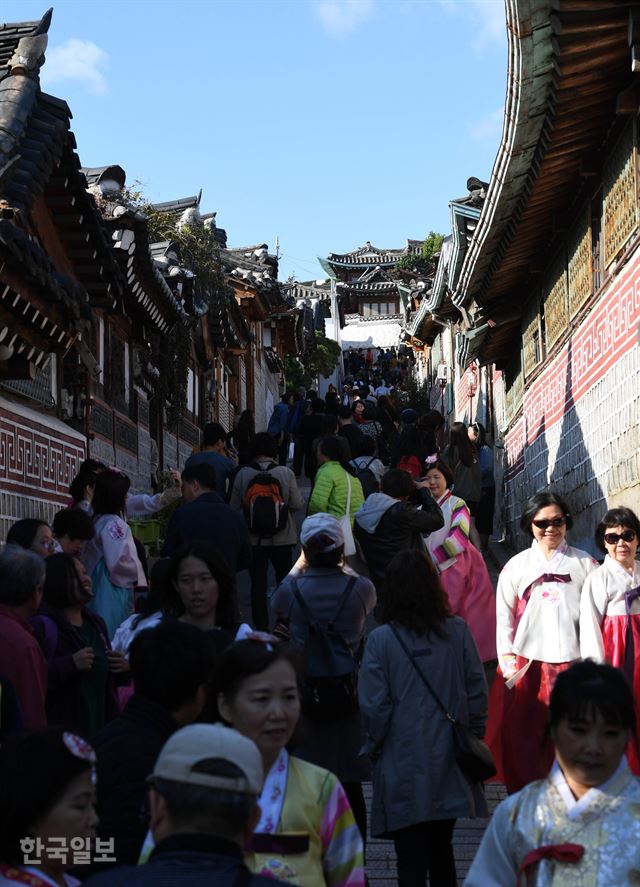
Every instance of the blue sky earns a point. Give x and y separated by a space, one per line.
326 123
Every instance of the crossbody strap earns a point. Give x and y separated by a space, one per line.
348 495
422 675
305 607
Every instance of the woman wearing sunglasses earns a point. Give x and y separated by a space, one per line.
610 606
537 613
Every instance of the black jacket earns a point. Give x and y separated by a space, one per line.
127 750
187 861
208 519
386 526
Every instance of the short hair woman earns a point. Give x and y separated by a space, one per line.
610 605
537 613
578 824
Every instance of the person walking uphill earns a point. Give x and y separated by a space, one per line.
204 517
394 520
419 789
276 548
334 487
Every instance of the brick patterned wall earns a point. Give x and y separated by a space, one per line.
580 429
39 456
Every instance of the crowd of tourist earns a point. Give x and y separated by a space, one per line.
151 733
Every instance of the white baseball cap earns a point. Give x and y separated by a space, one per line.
190 756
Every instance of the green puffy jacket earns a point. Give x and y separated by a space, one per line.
330 491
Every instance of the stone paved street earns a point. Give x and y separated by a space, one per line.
381 861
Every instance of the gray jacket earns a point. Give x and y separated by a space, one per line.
290 493
321 588
415 776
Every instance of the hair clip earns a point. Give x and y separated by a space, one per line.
80 748
431 460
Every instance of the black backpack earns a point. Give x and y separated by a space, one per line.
263 503
330 686
366 477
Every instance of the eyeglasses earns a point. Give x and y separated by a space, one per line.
554 522
614 538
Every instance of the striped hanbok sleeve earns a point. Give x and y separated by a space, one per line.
458 537
343 855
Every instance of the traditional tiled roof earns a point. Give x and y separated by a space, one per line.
177 207
570 62
35 329
97 176
367 255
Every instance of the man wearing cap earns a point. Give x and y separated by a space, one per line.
203 797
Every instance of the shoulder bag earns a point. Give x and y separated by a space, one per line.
472 755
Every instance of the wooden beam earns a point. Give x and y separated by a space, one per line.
628 101
25 330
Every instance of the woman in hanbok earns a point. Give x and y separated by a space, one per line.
463 572
610 606
307 834
580 825
111 557
47 808
537 613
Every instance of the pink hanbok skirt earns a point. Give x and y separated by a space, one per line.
472 597
614 635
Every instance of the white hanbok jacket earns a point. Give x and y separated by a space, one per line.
605 822
548 628
603 595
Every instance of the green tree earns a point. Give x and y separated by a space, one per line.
321 361
425 262
432 244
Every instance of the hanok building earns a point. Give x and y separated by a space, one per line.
370 299
274 324
551 280
433 327
109 343
57 271
130 400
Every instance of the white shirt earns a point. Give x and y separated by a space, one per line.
548 628
603 595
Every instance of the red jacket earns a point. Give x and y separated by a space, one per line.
22 662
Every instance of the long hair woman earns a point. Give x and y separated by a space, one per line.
111 557
418 788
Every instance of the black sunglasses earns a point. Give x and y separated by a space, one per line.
555 522
614 538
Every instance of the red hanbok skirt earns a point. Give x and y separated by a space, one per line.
614 635
517 731
472 597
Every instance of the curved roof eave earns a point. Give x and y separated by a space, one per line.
530 85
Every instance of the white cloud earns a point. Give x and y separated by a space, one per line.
488 127
77 60
488 17
341 17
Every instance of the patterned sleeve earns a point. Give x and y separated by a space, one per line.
119 550
458 538
342 851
